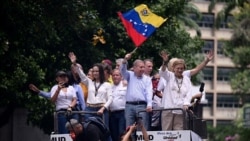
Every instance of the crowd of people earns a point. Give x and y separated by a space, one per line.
123 97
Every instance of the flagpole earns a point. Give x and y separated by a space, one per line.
133 51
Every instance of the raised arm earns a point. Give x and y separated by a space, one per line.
209 57
164 70
128 134
44 94
84 79
123 68
164 57
78 68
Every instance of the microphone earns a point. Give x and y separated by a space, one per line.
202 87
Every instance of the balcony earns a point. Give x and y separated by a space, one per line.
223 61
223 87
222 113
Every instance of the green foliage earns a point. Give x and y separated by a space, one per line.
36 37
238 49
230 5
240 82
240 119
222 131
241 30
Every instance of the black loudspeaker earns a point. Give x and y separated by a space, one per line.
200 128
197 125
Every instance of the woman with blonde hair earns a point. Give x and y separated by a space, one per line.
177 94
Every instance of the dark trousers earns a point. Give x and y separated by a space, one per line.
117 125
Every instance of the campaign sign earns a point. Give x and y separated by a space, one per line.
60 137
178 135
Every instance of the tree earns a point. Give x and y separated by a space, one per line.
36 36
238 49
35 39
185 19
226 11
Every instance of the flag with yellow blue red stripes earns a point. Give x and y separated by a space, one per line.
140 23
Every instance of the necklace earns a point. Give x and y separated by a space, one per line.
179 84
64 91
66 95
96 88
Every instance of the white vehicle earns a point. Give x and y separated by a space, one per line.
195 131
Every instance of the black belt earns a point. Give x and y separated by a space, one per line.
117 111
136 102
61 110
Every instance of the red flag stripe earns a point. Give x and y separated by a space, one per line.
137 38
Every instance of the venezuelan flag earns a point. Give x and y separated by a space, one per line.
140 23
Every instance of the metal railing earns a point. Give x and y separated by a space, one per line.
72 112
190 121
169 109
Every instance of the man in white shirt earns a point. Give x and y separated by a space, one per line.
117 117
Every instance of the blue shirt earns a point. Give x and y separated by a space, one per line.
139 88
44 94
79 95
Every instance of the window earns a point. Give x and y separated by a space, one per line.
224 100
246 116
220 48
246 113
209 97
223 74
227 101
224 23
208 73
224 122
208 45
207 20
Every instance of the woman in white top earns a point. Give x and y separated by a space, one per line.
177 94
64 96
99 91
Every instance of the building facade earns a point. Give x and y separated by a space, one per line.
223 105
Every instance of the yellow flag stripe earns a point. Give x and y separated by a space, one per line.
147 16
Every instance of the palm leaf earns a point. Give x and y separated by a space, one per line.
211 5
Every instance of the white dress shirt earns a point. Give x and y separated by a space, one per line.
175 96
119 97
102 96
